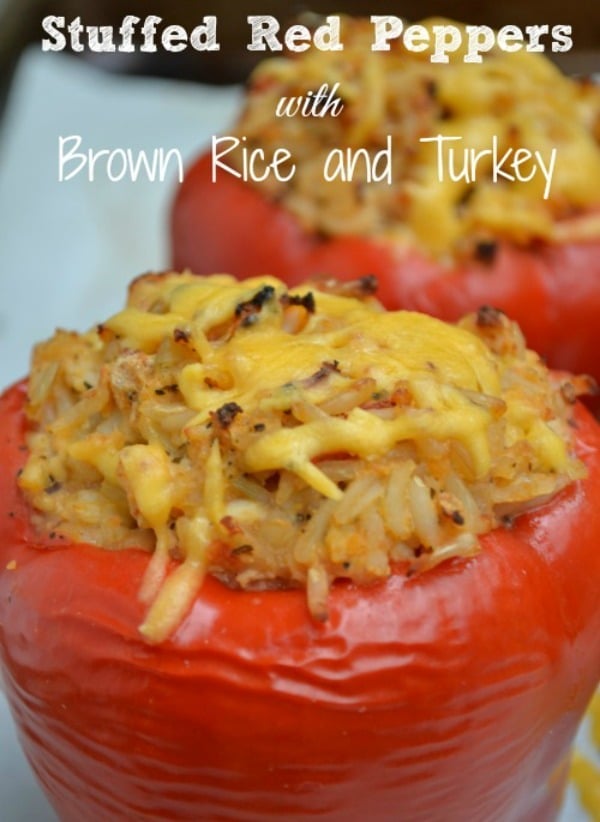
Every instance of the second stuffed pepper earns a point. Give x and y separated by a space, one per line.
455 184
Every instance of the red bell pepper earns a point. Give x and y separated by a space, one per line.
453 695
552 291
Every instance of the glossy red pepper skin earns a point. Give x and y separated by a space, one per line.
451 696
553 292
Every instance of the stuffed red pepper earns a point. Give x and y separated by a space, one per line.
271 553
456 184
